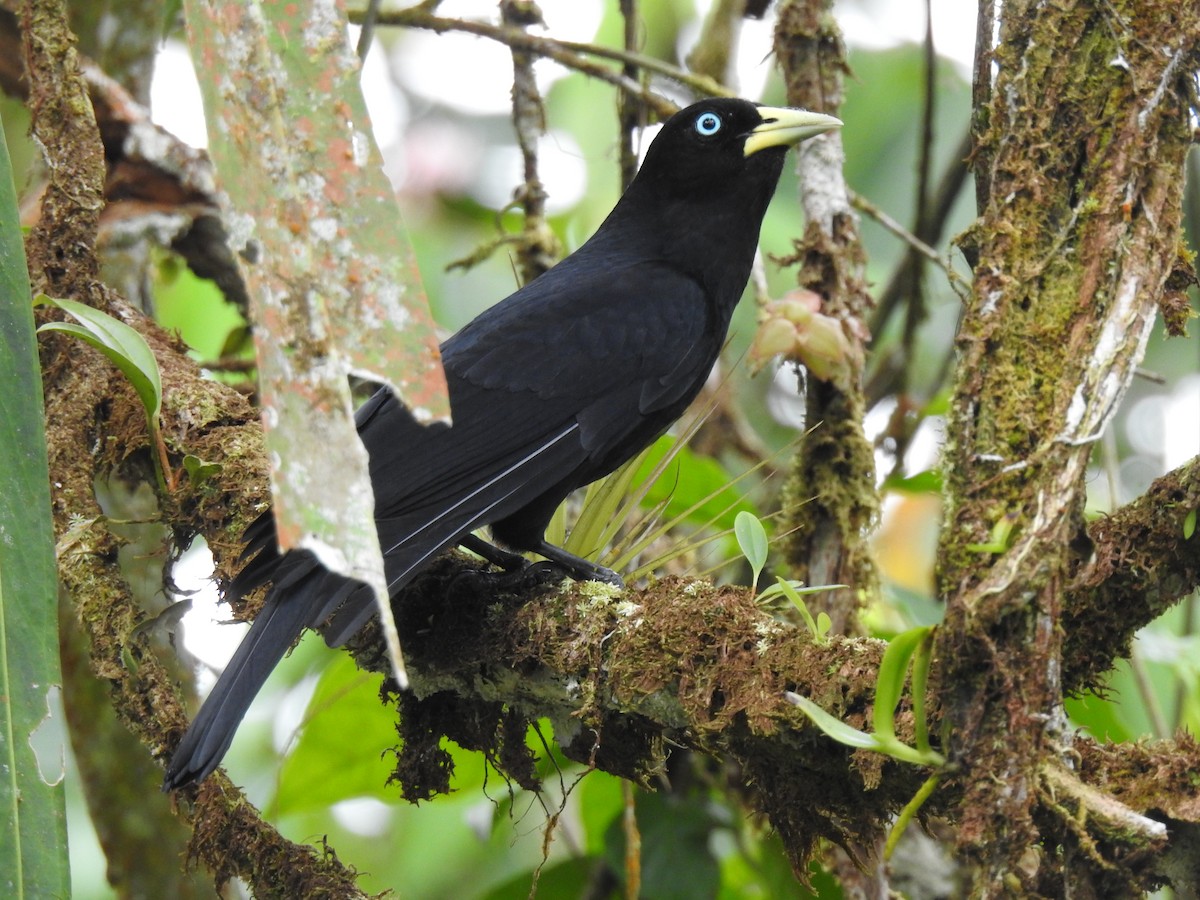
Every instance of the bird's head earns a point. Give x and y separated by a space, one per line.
726 141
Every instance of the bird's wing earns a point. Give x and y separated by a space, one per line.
607 345
435 483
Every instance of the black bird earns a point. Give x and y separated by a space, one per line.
550 389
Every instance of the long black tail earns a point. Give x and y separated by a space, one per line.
284 616
304 594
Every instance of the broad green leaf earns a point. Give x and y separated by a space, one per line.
199 471
695 486
849 736
834 727
893 670
319 771
752 538
601 802
1189 525
123 346
33 834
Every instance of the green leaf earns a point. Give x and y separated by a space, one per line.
893 670
199 471
694 486
1189 525
824 623
677 859
123 346
752 539
849 736
793 593
922 660
599 516
999 539
793 590
834 727
33 846
318 772
928 482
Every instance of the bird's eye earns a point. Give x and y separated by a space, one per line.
708 124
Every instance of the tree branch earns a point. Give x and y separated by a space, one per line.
831 489
1141 564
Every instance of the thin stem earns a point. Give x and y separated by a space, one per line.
570 54
369 19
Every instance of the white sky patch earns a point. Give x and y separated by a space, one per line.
560 165
385 102
175 101
880 24
205 635
364 816
1181 422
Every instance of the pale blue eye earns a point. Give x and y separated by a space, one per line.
708 124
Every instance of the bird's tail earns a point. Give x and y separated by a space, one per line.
284 615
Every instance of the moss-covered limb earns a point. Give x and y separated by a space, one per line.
1137 805
1111 850
61 246
1141 564
622 676
142 839
625 675
88 404
829 500
1074 246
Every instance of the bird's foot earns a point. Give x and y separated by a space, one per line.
579 568
593 572
529 577
518 567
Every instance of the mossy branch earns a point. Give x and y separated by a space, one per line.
1142 562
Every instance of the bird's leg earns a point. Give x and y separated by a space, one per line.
503 559
519 573
580 568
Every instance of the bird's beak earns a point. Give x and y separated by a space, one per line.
783 127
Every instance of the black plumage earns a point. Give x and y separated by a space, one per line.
552 388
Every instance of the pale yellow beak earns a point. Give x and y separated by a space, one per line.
783 127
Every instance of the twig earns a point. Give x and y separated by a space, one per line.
981 96
916 311
570 54
863 205
538 248
944 198
628 113
369 19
